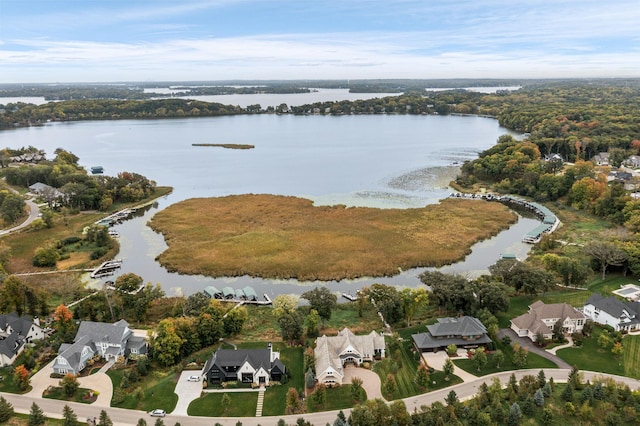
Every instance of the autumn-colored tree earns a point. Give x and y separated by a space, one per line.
69 384
21 377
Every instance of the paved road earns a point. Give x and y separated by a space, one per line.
34 211
121 417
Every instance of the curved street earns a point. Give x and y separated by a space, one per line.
122 417
34 212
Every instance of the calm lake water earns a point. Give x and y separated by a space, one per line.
365 160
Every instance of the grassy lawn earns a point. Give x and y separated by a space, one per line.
338 398
533 361
631 355
81 395
154 391
591 357
243 404
275 396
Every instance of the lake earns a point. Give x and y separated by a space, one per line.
362 160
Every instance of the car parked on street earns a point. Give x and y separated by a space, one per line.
157 413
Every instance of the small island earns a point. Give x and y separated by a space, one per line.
283 237
226 145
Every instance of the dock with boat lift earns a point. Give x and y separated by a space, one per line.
106 268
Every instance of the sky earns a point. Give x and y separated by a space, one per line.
197 40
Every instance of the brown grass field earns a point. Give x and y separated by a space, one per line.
288 237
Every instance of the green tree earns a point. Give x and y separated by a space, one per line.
448 368
606 253
12 207
36 416
479 359
235 320
128 283
390 385
311 323
358 393
6 410
422 377
69 418
515 415
498 358
69 384
292 402
104 420
413 299
167 343
322 300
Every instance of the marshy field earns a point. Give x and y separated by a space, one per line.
272 236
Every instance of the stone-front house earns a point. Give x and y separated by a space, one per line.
622 316
15 332
108 341
464 332
542 317
256 366
332 353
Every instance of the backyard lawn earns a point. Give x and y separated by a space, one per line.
631 355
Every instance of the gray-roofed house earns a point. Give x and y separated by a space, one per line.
464 332
333 352
542 317
108 341
15 332
622 316
256 366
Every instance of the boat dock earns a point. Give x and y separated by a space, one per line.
246 295
106 269
116 217
350 297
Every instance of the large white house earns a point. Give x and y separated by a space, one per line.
333 352
109 341
622 316
256 366
15 332
542 317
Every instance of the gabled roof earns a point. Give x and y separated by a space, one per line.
235 358
104 332
328 349
11 345
73 352
325 357
611 305
462 326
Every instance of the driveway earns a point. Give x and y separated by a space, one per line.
525 342
370 381
187 391
99 382
34 211
437 359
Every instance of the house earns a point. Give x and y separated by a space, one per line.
50 194
601 159
464 332
332 353
542 317
633 161
15 332
256 366
622 316
104 340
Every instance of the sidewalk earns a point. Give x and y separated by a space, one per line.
566 345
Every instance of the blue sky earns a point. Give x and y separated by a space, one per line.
160 40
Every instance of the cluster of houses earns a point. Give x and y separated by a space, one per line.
16 332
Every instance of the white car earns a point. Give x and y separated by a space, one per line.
157 413
193 379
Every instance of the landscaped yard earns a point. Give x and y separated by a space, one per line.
153 391
631 355
275 396
338 398
81 395
243 404
533 361
593 358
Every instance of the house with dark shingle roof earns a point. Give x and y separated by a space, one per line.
464 332
108 341
542 317
256 366
622 316
15 332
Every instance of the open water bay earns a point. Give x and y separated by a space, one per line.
365 160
